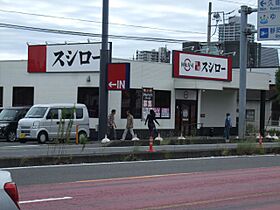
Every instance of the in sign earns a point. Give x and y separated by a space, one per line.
120 84
118 76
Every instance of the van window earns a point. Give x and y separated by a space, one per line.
79 113
53 113
36 112
67 113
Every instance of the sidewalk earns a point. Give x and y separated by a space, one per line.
27 155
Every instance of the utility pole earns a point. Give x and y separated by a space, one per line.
209 24
104 59
244 32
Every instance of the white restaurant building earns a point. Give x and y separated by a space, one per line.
182 104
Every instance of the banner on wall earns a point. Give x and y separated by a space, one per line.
147 101
157 111
147 97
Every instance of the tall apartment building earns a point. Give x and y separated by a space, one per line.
162 55
269 57
231 31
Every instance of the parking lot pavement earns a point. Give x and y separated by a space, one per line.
4 142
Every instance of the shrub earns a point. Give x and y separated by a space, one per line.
226 152
83 141
250 129
246 148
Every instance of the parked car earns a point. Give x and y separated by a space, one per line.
9 197
50 121
9 118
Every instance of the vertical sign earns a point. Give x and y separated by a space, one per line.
147 101
268 20
118 76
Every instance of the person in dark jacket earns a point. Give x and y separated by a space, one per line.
228 126
151 119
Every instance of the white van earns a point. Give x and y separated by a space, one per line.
51 121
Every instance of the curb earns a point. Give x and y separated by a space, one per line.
76 159
126 156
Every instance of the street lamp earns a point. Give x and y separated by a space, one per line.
217 17
191 48
230 53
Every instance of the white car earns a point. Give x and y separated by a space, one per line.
9 198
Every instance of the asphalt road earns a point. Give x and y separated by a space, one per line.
203 183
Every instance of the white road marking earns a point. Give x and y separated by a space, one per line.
19 146
45 200
137 162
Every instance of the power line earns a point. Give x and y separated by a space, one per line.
76 33
238 2
99 22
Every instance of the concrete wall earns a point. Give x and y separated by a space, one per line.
215 105
146 74
255 105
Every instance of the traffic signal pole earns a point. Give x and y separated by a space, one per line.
244 32
104 59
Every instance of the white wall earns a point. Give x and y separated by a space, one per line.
48 87
255 105
62 88
146 74
215 104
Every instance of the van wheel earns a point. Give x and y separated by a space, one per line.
42 137
11 136
82 136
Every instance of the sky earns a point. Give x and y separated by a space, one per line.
168 19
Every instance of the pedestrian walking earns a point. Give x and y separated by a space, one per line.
129 125
112 125
151 119
228 126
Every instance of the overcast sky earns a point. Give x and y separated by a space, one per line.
184 19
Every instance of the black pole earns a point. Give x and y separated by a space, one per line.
262 112
103 92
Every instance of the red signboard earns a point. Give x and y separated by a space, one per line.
118 76
37 58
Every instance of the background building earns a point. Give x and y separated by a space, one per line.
150 56
162 55
231 31
182 104
269 57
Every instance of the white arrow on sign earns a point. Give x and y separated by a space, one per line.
111 84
